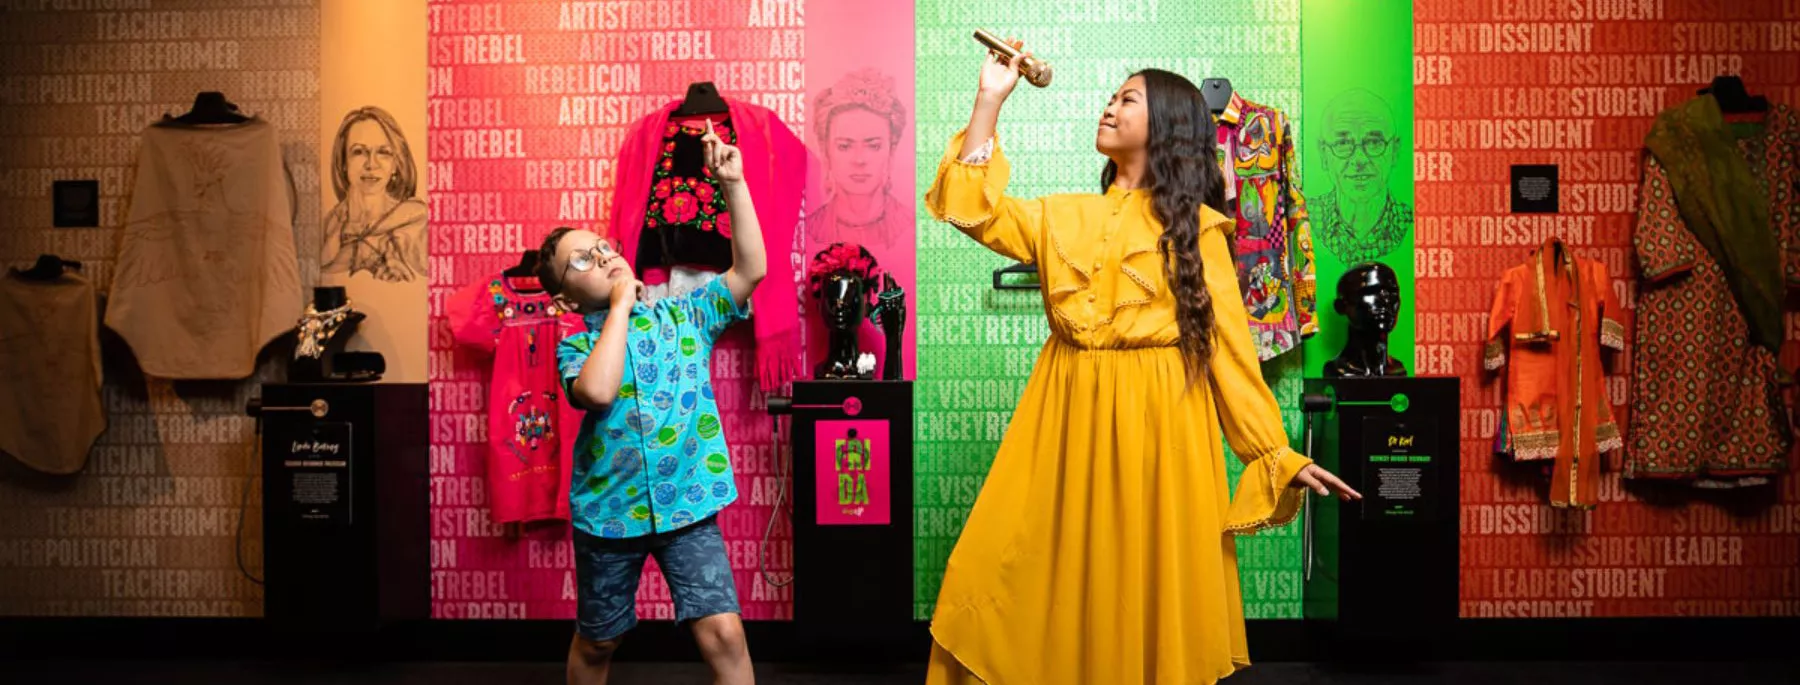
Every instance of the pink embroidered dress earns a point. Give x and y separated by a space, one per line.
529 420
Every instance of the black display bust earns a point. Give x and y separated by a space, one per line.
1368 295
844 304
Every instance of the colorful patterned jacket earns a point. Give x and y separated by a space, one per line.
1273 246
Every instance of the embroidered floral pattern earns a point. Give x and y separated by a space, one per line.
1612 334
1607 434
531 422
508 309
1493 355
1535 446
684 201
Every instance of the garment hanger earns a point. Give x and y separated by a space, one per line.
49 267
1733 98
702 98
1030 269
210 107
526 268
1217 94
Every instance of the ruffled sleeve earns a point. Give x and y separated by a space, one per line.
1247 410
970 195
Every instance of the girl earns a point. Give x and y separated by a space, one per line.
1100 548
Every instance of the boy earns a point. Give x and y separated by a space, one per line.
650 470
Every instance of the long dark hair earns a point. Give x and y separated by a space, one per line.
1182 174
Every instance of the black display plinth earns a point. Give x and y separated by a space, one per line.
853 502
346 506
1383 571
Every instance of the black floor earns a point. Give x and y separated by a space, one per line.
1567 673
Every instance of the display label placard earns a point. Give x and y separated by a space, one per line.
1399 476
851 461
1534 189
317 468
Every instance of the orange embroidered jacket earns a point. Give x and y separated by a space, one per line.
1551 316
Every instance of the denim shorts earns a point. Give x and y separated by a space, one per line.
693 561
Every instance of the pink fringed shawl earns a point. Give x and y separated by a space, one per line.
775 170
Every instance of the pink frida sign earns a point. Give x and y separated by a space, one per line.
852 460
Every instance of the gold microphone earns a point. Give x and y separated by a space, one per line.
1033 69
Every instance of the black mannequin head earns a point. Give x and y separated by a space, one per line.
843 301
843 279
328 297
1369 296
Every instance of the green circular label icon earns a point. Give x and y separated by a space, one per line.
708 427
1400 402
689 346
717 463
667 436
642 323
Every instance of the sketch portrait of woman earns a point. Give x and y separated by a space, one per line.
378 226
858 125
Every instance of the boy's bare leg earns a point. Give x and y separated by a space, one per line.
590 661
722 645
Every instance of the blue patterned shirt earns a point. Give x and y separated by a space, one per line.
656 460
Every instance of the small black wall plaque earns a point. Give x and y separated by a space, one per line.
1534 189
77 203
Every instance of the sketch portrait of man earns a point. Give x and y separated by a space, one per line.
1358 219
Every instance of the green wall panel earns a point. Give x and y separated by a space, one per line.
1357 59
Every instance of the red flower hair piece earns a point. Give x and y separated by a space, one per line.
844 258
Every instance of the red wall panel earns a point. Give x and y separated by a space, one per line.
1577 84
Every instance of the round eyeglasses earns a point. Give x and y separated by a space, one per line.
586 259
1374 145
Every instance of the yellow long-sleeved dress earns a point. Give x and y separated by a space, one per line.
1100 550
